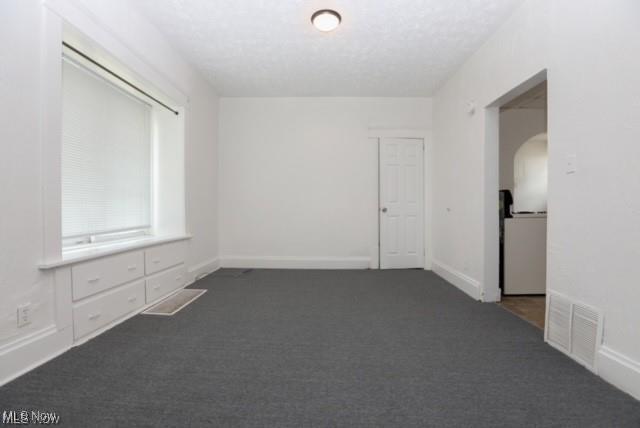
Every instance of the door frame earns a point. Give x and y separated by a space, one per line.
490 289
375 134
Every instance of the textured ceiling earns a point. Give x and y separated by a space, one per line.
382 48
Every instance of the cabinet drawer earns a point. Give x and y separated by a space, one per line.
101 310
163 283
95 276
164 256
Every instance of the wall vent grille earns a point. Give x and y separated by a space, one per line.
559 322
574 328
584 334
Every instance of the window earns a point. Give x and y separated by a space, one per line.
106 159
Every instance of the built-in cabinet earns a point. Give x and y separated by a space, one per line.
165 282
95 312
108 289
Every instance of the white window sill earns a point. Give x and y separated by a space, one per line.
80 255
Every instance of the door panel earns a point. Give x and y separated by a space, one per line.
401 203
393 183
412 237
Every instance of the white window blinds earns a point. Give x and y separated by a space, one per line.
106 156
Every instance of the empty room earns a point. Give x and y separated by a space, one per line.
411 213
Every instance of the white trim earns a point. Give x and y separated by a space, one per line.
619 370
92 27
110 249
32 351
426 135
375 236
490 217
63 298
382 260
419 133
490 182
58 17
284 262
203 269
459 279
428 200
27 339
51 134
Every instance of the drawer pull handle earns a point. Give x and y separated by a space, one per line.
156 261
178 278
132 267
132 299
95 316
156 287
94 279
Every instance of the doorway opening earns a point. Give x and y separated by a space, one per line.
516 234
523 160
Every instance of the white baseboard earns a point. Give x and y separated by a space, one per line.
457 278
619 370
203 269
278 262
26 355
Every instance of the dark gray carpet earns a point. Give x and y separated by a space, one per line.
323 348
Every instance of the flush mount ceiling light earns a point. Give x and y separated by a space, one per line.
326 20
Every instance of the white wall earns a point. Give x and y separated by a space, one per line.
516 52
531 175
201 170
26 85
516 127
594 113
298 178
21 216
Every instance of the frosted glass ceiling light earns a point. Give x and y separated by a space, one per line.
326 20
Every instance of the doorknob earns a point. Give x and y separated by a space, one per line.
384 209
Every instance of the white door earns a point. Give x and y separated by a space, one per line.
401 203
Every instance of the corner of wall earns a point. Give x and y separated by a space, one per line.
32 351
203 269
458 279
